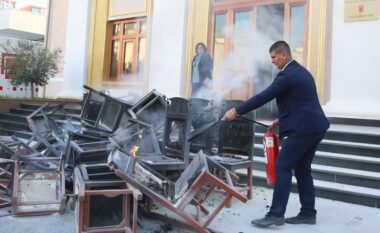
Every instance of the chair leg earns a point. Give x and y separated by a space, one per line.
249 183
229 203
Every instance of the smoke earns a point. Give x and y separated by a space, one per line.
248 59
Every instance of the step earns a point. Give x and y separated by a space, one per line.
13 118
336 174
336 170
351 133
355 148
65 117
338 159
20 111
25 112
340 143
351 144
12 125
17 133
343 129
354 133
354 121
347 161
30 106
331 190
337 146
355 129
73 109
336 121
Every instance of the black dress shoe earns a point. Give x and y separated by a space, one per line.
269 220
302 219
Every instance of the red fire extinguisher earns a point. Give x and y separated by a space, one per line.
270 142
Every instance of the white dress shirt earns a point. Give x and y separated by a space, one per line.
287 65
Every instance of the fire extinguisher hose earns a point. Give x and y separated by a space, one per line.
252 121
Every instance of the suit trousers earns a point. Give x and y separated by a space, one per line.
297 153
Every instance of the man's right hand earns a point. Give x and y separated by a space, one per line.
230 115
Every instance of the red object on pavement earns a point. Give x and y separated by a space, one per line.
270 141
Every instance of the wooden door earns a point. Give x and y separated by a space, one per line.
241 34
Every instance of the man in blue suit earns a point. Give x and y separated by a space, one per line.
303 125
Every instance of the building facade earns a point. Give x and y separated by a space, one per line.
137 45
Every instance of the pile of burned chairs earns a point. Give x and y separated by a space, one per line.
118 154
32 170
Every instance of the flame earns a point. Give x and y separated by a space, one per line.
134 150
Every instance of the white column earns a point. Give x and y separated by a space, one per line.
355 82
76 49
167 47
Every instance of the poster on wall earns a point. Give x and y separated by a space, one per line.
361 10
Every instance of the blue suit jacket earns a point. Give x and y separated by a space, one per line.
297 100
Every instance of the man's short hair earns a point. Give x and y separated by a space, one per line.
280 47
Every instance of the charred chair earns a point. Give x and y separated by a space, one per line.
83 148
174 153
6 176
236 145
87 152
104 201
101 113
49 136
6 172
175 196
151 109
177 125
134 132
38 181
39 186
13 148
10 146
202 114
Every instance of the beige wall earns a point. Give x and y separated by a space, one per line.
354 85
56 37
119 9
27 21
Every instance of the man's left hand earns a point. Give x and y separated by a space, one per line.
230 115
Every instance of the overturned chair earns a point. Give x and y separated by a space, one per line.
38 186
104 203
6 176
173 154
6 172
188 189
152 110
101 113
49 136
